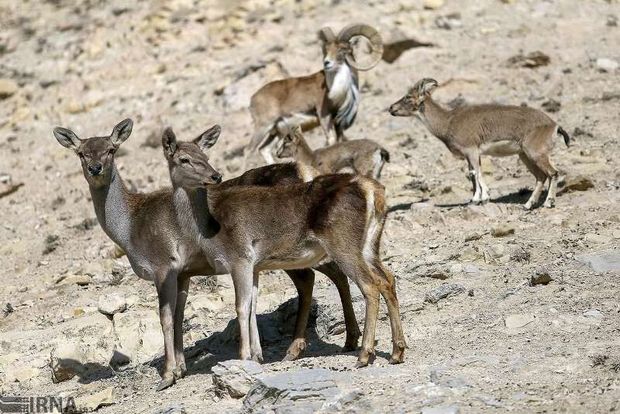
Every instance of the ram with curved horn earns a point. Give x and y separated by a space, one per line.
328 98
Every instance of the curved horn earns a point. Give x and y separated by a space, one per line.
373 36
327 35
425 86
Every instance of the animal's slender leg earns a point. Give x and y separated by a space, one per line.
266 149
255 347
166 284
304 282
243 280
484 190
472 161
257 140
183 288
356 269
333 272
544 164
328 129
540 180
388 291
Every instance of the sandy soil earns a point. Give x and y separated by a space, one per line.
499 345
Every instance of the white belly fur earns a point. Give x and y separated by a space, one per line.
500 148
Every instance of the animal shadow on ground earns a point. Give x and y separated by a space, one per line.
276 331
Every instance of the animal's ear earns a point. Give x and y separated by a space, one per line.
67 138
169 142
208 138
121 132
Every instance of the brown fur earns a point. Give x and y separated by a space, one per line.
498 130
292 226
362 156
306 101
145 225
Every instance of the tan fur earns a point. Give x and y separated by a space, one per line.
497 130
317 99
249 229
361 156
146 227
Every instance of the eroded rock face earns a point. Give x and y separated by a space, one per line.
304 391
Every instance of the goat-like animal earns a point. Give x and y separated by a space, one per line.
363 156
498 130
328 98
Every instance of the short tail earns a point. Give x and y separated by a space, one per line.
385 155
565 135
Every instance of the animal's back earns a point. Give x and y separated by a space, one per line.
285 93
491 122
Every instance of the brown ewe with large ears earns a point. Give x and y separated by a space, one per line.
248 229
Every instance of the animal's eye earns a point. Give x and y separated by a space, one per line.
184 160
80 154
111 151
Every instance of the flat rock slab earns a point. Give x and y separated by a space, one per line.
443 291
304 391
517 321
235 377
605 261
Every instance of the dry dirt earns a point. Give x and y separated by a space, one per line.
498 344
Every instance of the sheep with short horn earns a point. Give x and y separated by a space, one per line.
498 130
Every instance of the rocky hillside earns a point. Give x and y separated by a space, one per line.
504 310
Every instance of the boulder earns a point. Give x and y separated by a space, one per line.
112 304
235 377
138 335
443 291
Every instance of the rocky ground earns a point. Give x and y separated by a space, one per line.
504 310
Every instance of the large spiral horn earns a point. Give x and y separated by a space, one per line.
373 36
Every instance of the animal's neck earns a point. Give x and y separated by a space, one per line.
435 118
304 153
193 211
343 94
112 209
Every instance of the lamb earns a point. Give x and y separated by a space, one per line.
362 156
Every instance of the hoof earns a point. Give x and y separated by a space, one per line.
289 357
258 358
527 207
165 383
179 372
397 360
549 204
361 364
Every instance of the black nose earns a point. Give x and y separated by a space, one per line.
95 169
328 63
217 177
